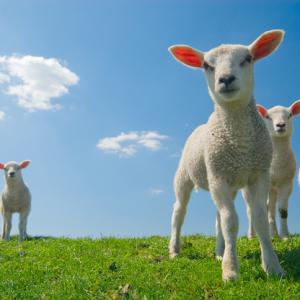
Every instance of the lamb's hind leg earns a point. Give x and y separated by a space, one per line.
251 231
283 200
220 245
272 212
183 187
23 225
257 194
6 225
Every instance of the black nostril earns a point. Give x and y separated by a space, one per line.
227 79
280 125
11 174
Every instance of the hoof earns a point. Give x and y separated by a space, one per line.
219 257
277 271
173 255
251 235
228 276
285 237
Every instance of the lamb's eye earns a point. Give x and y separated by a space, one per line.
268 117
246 60
290 115
208 67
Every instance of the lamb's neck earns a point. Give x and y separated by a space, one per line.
281 145
236 113
14 184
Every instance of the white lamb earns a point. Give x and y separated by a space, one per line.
15 198
279 121
232 151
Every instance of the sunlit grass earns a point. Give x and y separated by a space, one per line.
110 268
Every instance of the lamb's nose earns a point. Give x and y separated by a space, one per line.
11 174
280 125
227 79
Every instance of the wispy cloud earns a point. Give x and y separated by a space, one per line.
156 191
35 80
2 115
128 144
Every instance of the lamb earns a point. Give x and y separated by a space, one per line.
279 121
232 151
15 198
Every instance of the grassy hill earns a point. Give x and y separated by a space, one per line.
110 268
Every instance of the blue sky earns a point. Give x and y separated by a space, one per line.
111 73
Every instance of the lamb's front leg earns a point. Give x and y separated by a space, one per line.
23 225
224 199
272 200
183 187
6 226
220 244
257 194
283 200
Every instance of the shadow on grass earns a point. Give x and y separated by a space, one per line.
189 252
291 263
289 260
40 237
29 238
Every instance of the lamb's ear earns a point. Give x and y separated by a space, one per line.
295 108
266 43
24 164
1 166
262 110
187 55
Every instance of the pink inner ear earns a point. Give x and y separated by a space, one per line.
296 108
266 44
1 166
187 56
262 111
24 164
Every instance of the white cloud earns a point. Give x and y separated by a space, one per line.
2 115
156 191
4 78
35 80
128 144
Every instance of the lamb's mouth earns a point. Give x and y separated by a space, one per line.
228 91
280 131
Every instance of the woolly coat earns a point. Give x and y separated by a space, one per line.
234 145
15 197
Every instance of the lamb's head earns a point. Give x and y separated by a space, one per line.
279 119
12 169
229 68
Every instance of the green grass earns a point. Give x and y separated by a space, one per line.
110 268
